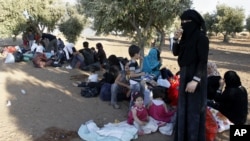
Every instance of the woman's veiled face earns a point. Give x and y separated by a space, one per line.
185 24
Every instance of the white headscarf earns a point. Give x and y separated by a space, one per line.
212 69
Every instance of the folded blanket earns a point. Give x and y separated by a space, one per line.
111 132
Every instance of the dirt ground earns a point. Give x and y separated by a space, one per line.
53 110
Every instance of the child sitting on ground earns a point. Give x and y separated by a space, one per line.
158 109
160 112
138 116
93 77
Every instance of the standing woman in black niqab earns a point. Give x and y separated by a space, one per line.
192 51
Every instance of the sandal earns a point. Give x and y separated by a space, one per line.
116 106
75 84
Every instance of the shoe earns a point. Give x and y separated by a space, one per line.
116 106
75 84
78 82
68 67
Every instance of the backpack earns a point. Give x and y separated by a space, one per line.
18 56
105 92
89 92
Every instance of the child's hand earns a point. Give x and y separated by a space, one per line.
128 93
142 73
143 123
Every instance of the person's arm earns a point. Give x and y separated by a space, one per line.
175 44
201 70
136 119
133 74
202 50
175 47
119 82
150 103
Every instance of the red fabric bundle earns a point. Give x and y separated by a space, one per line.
211 126
173 90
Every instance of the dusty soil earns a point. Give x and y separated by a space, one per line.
53 110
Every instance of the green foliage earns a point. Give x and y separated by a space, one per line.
225 20
73 23
229 20
135 18
71 29
41 14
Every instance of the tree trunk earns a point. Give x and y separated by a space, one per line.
162 40
226 38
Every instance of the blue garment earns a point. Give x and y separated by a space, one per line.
151 63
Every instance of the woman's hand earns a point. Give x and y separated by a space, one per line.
178 33
191 86
222 83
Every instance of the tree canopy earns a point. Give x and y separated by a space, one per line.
73 24
225 20
18 15
137 19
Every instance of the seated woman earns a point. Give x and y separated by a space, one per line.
101 54
152 63
213 79
40 60
233 101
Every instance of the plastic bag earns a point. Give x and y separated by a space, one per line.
9 58
211 126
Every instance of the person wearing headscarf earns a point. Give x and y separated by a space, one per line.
213 79
152 63
192 51
233 101
101 54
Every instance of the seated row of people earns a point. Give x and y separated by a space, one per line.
131 76
87 57
128 77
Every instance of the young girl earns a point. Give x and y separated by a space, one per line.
138 116
158 109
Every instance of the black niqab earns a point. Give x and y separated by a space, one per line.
192 29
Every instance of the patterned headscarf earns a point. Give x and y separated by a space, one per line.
212 69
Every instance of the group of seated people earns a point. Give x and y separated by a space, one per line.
156 86
67 53
129 81
84 58
227 95
127 77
